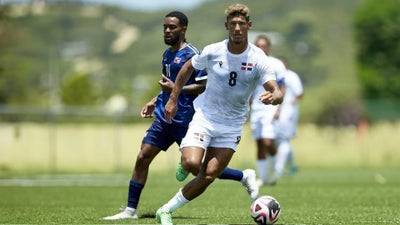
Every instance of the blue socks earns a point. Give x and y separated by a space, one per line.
135 189
231 174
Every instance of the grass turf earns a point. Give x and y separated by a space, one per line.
313 196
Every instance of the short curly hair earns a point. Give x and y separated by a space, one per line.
237 10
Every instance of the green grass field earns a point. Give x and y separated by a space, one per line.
313 196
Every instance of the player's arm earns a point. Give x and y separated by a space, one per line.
192 89
148 108
273 94
195 89
298 89
181 79
282 87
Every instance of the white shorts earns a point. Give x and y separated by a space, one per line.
262 125
203 133
285 127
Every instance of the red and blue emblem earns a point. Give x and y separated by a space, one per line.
247 66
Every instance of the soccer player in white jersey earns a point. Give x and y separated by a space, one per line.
286 122
262 116
234 68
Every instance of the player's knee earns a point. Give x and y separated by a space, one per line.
208 179
144 158
193 166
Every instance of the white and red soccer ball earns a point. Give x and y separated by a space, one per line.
265 210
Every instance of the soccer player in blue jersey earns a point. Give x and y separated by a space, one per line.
162 134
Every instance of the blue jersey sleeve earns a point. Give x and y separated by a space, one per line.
171 64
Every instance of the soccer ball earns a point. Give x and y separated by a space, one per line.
265 210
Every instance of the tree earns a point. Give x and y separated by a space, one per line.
77 90
378 54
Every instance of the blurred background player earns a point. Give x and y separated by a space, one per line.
262 116
234 69
161 135
286 121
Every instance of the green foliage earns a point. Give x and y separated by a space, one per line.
77 90
316 40
377 35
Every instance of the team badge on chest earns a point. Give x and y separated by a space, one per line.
247 66
177 60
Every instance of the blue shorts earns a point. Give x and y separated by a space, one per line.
163 135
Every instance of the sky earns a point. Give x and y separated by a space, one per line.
143 5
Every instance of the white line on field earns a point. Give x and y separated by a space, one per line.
68 180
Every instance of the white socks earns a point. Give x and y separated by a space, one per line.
282 156
176 202
130 210
262 169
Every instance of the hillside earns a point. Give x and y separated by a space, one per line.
120 49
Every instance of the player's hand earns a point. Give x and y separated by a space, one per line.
166 84
273 98
170 110
267 98
147 110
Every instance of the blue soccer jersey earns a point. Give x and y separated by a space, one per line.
172 62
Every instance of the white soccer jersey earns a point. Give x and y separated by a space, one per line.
286 125
231 80
256 105
293 89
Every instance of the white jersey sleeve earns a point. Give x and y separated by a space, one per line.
278 71
200 61
278 67
265 69
296 85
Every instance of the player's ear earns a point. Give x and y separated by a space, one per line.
226 25
250 24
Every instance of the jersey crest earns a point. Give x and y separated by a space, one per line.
177 60
247 66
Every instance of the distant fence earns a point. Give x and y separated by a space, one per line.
58 141
66 114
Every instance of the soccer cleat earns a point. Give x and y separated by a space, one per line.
181 173
163 217
249 181
293 170
127 213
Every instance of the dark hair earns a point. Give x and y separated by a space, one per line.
183 20
265 37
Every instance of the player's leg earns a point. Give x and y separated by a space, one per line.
216 159
191 160
291 162
286 129
261 163
138 180
156 139
140 172
263 132
282 156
